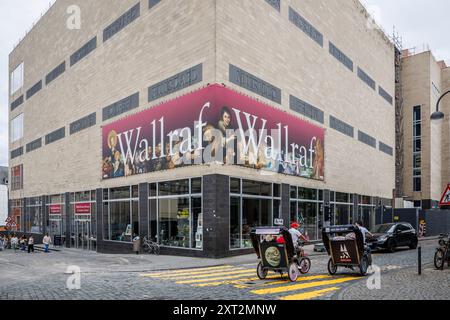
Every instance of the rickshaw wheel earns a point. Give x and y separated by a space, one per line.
293 272
304 266
332 268
261 272
364 266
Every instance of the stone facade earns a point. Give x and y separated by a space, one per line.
424 81
325 53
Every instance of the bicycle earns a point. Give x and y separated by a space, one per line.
443 252
150 246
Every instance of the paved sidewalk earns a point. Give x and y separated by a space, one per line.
403 284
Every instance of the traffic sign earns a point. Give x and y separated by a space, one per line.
445 200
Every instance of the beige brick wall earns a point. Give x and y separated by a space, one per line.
176 35
258 39
416 92
445 107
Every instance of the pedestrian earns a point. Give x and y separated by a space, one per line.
31 244
1 243
14 242
23 243
46 241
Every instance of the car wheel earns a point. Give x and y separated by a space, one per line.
332 268
261 272
391 245
414 244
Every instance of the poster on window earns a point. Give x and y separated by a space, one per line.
214 125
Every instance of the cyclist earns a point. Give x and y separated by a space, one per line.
296 235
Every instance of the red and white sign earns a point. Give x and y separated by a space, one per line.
82 208
9 220
55 209
445 200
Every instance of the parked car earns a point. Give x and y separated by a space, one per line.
393 235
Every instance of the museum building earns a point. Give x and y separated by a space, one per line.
194 121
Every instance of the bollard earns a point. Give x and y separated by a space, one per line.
419 253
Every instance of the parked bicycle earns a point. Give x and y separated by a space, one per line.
149 246
443 252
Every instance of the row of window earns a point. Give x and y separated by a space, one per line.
315 35
417 149
264 89
175 211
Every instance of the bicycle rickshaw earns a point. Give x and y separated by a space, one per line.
346 248
278 256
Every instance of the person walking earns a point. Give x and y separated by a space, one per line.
31 244
14 242
23 243
1 243
46 241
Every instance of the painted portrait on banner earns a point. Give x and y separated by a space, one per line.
213 125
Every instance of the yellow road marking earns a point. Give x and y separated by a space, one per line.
212 279
309 278
238 282
215 275
179 275
309 295
302 286
186 270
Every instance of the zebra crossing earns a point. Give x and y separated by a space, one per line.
244 277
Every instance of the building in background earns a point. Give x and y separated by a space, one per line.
426 145
3 195
93 113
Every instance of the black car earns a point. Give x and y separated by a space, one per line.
393 235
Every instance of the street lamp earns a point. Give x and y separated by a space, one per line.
438 115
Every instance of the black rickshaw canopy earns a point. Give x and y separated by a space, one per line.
328 233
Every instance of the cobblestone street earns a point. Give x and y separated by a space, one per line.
42 276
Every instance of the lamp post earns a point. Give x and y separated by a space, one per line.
438 115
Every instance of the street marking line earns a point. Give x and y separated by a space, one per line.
234 282
240 283
302 286
209 275
212 279
309 295
187 270
175 275
309 278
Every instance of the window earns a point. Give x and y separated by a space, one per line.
17 79
17 178
123 213
417 148
175 213
17 128
254 207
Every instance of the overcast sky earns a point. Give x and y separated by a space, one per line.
419 22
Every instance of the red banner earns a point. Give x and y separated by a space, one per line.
55 209
82 208
213 125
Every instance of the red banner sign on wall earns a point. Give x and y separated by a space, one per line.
213 125
83 208
55 209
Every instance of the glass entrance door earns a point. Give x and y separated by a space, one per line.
83 235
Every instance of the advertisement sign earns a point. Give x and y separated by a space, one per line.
82 208
55 209
214 125
344 251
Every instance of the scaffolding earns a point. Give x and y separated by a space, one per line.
399 130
